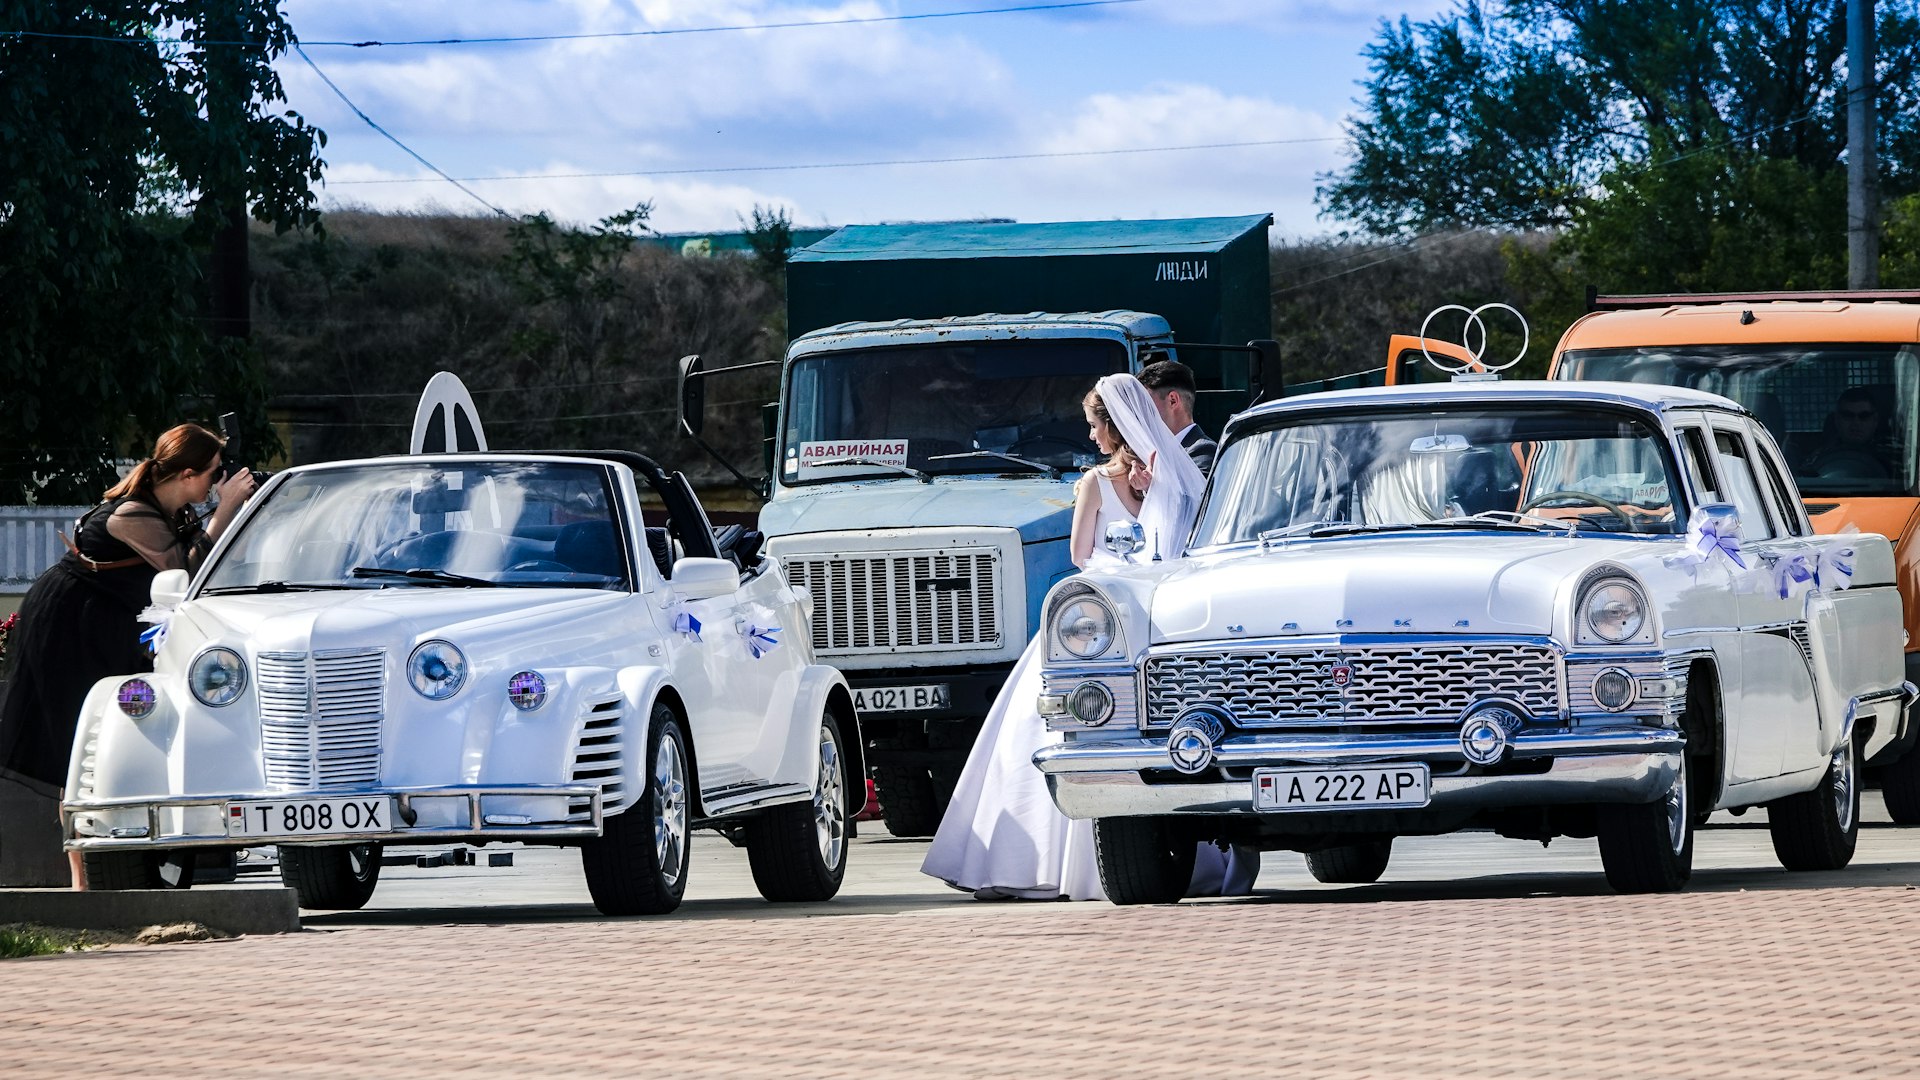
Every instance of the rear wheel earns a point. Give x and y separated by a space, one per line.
638 866
333 877
1900 787
118 871
1817 830
798 852
1143 860
1648 848
1351 864
908 803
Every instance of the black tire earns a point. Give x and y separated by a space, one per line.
798 852
331 877
1143 860
908 803
638 866
1351 864
1900 787
119 871
1818 829
1648 848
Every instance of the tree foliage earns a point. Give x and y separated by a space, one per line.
119 159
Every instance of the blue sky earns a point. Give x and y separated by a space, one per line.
1154 73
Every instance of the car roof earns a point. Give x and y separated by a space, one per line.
1770 322
1654 397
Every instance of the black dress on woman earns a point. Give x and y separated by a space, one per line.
79 624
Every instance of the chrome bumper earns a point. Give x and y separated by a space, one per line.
160 833
1624 764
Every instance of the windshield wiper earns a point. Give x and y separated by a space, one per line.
275 587
905 469
1052 471
1303 528
421 573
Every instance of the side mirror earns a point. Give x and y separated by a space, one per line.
1125 538
169 588
693 395
1263 370
695 578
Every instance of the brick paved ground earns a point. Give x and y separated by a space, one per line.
1782 983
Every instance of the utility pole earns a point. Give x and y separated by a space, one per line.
1863 194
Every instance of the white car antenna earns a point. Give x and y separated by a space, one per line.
446 421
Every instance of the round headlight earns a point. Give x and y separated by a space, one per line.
1090 703
217 676
1084 627
136 698
437 669
527 690
1615 611
1613 689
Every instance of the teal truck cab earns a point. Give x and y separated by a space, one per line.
923 457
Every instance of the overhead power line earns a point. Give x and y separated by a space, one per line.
850 164
528 38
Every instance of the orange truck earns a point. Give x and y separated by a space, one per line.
1835 377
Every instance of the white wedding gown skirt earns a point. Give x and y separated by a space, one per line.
1001 830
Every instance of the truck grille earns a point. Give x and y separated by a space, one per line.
320 717
1386 684
911 601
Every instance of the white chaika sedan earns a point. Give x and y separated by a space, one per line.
1541 608
469 648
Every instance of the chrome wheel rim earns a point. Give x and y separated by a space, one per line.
830 804
669 807
1677 808
1843 784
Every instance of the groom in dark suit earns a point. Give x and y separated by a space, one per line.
1172 386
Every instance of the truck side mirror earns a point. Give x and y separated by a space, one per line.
693 395
1263 370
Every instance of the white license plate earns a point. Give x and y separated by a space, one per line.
902 698
1366 787
310 817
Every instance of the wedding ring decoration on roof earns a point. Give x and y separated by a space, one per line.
446 421
1477 367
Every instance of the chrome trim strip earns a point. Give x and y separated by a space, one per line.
766 796
1248 751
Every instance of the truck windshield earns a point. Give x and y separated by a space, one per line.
1543 468
1844 415
881 408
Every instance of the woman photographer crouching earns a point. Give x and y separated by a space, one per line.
79 624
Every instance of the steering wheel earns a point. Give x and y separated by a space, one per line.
1077 446
540 566
1608 505
1848 462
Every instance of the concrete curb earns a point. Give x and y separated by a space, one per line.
231 911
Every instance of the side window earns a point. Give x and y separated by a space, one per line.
1699 464
1786 507
1742 486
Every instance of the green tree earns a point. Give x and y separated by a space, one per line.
128 130
771 239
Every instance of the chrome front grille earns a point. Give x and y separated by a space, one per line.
901 602
598 760
1354 683
320 717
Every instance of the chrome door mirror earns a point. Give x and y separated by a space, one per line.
1125 538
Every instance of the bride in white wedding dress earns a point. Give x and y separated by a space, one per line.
1002 837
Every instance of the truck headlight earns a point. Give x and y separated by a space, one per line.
1084 626
217 676
1612 610
437 669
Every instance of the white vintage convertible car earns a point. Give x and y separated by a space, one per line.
465 648
1541 608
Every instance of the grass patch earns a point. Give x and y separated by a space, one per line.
20 940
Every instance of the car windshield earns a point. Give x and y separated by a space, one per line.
1846 416
1520 467
911 406
430 523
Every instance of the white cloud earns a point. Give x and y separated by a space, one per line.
1290 16
679 205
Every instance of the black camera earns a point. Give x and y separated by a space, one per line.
230 460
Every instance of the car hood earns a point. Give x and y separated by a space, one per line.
1469 583
1040 509
392 618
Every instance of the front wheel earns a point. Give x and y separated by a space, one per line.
798 852
333 877
1648 848
118 871
1351 864
1143 860
638 865
1817 830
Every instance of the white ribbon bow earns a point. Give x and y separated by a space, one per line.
760 640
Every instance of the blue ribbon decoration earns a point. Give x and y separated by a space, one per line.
1790 573
1713 529
1834 569
154 636
685 623
760 640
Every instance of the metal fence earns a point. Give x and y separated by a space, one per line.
29 544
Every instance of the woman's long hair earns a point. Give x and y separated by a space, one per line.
178 449
1120 462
